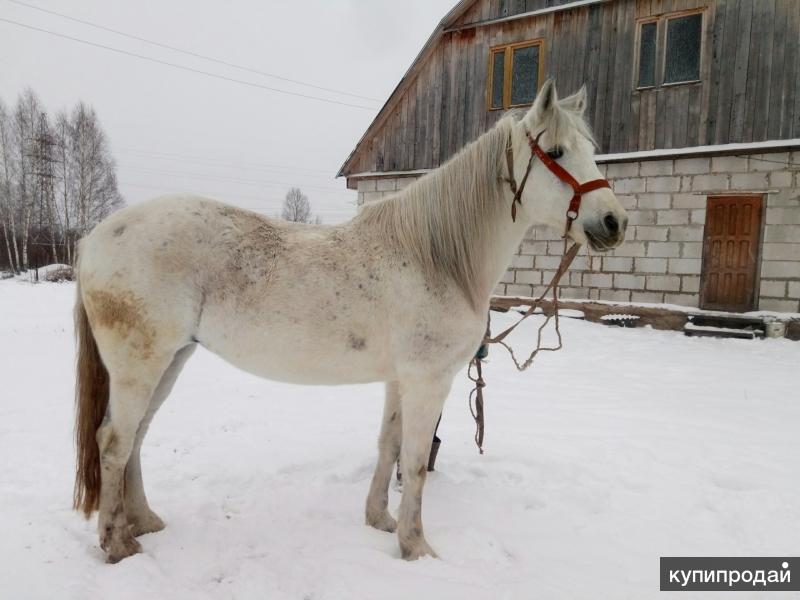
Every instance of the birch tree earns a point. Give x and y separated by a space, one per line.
7 204
57 180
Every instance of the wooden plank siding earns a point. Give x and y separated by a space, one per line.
749 88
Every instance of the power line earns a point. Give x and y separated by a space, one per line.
215 161
205 177
184 68
190 53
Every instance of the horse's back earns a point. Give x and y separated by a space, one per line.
172 239
292 302
287 301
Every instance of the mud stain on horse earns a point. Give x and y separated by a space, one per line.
356 343
123 312
119 231
253 245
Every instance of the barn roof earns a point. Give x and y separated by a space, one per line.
448 24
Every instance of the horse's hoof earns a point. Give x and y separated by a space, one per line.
417 550
120 548
149 522
383 522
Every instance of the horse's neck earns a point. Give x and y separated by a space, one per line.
477 252
504 236
503 244
504 239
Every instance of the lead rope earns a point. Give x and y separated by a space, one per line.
578 189
476 395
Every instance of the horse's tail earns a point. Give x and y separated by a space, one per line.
91 401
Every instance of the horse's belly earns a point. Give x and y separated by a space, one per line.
297 354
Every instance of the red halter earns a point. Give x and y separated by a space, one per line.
578 188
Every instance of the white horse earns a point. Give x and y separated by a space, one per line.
399 294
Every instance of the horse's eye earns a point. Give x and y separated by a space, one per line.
556 153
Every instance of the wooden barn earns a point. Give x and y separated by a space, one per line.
696 108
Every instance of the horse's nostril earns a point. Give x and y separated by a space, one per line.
611 223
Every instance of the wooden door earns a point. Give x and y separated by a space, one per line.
730 253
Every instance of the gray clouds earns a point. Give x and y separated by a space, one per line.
172 130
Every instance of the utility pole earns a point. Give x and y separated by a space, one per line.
42 161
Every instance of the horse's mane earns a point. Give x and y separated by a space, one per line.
444 217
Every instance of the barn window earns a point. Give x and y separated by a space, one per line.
515 72
647 55
498 78
669 50
682 62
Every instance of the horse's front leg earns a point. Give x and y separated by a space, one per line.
421 404
377 513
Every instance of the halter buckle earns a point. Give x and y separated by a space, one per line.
578 188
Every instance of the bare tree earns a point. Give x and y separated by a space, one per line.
94 173
7 204
57 180
297 208
26 114
64 175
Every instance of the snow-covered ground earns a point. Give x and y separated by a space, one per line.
627 445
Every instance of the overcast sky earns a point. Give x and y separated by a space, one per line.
174 130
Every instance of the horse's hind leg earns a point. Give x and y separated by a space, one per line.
388 450
140 517
132 384
421 402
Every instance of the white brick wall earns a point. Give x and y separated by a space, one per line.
661 260
692 165
376 188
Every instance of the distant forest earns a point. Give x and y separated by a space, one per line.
57 180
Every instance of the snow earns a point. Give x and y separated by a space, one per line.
768 314
709 329
36 275
43 271
627 445
744 148
619 317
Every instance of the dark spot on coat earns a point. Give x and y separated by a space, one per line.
111 442
393 417
356 343
119 231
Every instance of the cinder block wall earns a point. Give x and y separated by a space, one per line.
661 260
375 188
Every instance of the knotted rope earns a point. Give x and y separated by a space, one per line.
476 395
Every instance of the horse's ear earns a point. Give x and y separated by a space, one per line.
576 102
545 103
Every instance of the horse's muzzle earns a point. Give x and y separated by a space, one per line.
607 233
